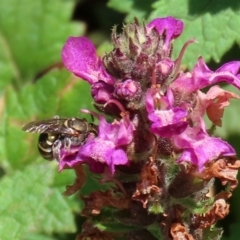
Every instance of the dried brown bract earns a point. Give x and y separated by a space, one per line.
179 232
97 200
148 188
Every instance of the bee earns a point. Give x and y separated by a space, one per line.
60 132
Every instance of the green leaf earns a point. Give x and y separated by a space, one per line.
213 234
192 206
7 71
56 216
231 116
214 24
35 236
155 230
53 94
32 34
133 8
232 232
9 227
75 96
26 204
94 183
115 227
41 100
35 101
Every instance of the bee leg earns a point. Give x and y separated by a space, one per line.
56 149
67 143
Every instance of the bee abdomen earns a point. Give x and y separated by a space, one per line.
45 144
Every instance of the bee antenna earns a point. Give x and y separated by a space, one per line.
93 114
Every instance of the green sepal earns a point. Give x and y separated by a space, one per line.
155 208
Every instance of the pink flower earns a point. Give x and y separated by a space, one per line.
166 120
202 77
108 147
199 148
212 103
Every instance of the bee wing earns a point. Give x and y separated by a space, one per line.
55 126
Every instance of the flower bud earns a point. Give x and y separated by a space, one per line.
128 90
101 92
136 52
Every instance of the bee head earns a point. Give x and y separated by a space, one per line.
79 125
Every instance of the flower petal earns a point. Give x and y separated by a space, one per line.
118 157
98 149
202 76
169 26
199 148
79 56
217 99
167 123
119 132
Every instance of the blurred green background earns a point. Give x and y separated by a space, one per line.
34 86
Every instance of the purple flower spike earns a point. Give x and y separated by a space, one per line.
106 148
202 76
170 26
79 56
199 148
156 146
